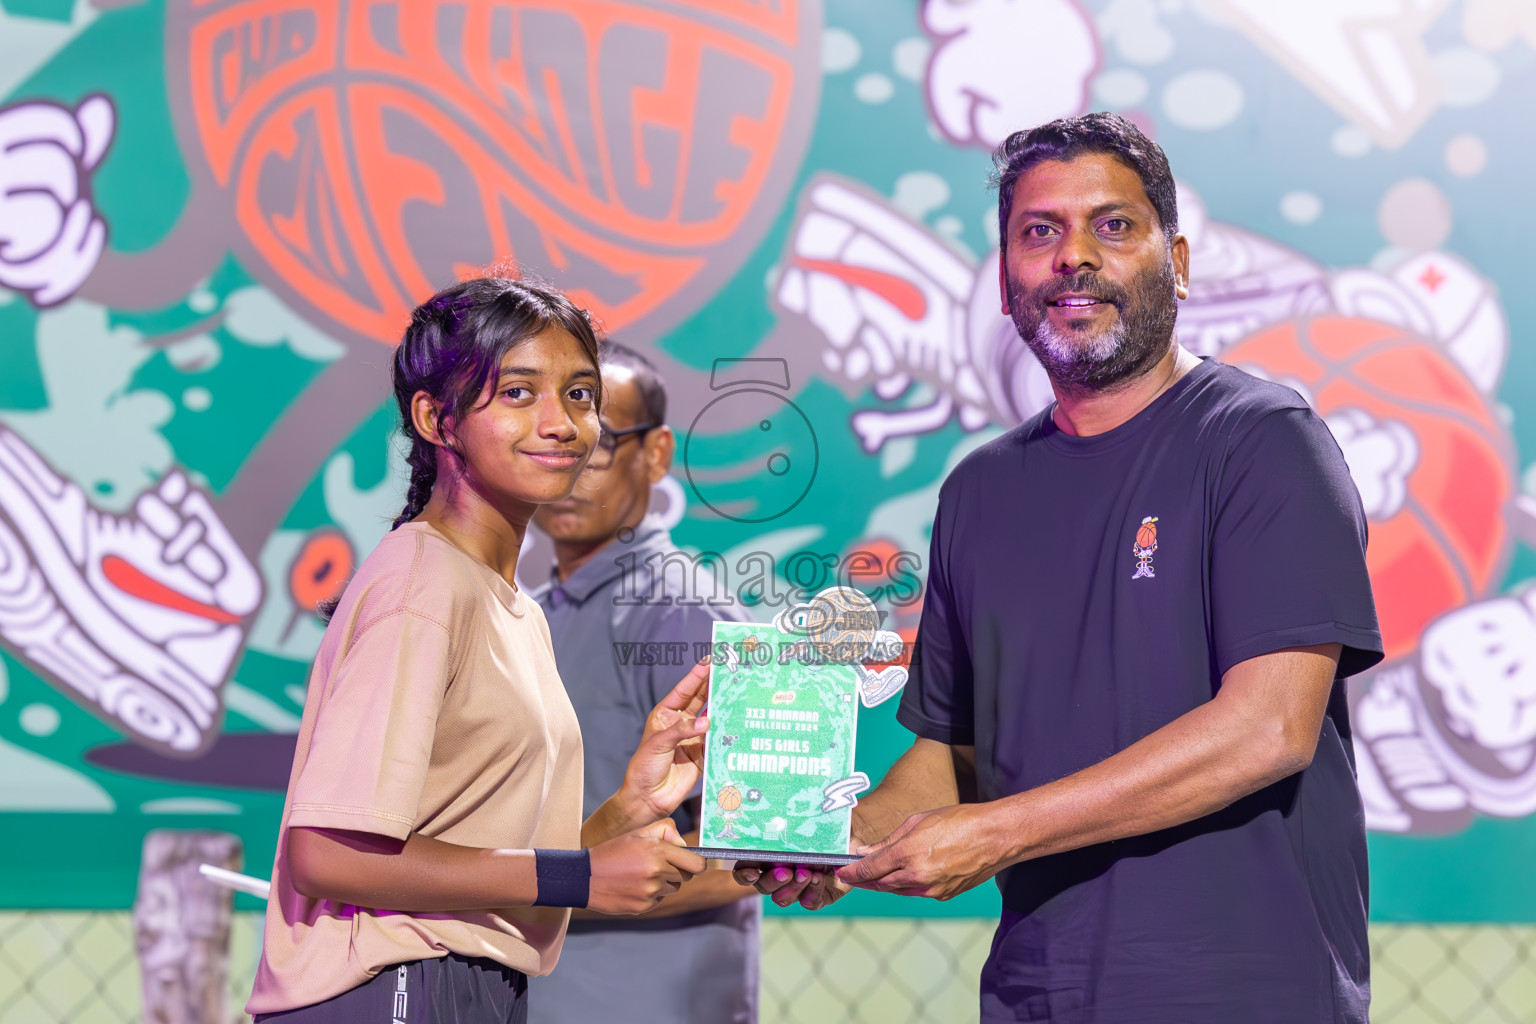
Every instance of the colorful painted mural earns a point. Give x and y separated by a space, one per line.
215 216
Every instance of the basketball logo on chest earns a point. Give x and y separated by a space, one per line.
1144 546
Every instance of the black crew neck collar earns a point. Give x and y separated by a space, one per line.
1072 444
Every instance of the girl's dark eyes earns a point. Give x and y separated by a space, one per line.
517 393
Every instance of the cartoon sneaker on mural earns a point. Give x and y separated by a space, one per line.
140 615
890 299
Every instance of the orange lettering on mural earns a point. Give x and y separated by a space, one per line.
376 147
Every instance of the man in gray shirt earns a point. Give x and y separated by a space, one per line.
620 648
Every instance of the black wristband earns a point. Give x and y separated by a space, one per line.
565 878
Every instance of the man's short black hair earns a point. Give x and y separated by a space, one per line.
648 379
1070 137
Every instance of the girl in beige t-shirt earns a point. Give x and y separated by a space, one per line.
432 840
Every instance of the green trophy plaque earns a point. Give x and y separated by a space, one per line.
779 778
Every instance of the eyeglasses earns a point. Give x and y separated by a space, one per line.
608 443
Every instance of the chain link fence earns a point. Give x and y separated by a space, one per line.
80 968
1450 974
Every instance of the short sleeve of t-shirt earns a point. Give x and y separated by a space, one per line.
372 740
1288 547
937 703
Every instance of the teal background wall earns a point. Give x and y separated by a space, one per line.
200 273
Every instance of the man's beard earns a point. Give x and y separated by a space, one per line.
1076 359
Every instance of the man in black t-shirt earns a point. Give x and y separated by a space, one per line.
1128 689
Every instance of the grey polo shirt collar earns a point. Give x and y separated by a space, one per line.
651 537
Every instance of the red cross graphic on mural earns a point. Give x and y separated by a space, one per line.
1431 279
